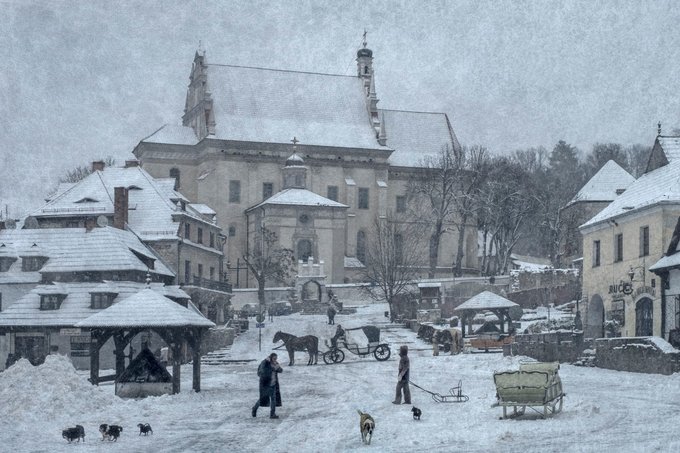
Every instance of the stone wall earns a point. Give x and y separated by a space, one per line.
548 347
638 354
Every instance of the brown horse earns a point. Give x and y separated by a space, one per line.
310 343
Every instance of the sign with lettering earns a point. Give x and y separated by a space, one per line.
259 325
70 331
621 288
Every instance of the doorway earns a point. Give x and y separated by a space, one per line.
644 318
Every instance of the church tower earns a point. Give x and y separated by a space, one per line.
365 73
295 172
198 108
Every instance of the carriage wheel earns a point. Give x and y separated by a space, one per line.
333 356
382 352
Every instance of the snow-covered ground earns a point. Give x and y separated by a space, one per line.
604 411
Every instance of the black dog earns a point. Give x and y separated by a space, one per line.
144 428
110 432
416 413
72 434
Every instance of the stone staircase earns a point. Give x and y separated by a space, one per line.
221 357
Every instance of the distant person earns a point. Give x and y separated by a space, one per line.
331 313
270 312
339 333
403 377
270 394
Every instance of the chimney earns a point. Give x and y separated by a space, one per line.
97 165
120 207
131 163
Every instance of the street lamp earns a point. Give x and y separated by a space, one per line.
633 271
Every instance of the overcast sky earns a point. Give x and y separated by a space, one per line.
81 80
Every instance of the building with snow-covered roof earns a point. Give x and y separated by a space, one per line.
621 242
184 235
235 139
608 183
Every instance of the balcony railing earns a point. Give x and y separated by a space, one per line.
210 284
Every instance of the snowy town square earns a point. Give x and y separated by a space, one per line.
311 226
603 410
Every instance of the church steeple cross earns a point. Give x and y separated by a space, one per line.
295 141
365 43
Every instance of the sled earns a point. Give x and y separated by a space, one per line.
455 394
535 385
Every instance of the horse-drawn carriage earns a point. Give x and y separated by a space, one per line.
381 351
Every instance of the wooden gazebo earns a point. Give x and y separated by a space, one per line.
147 310
485 301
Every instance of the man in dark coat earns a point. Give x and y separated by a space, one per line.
269 385
403 377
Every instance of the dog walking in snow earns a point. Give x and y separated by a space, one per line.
366 425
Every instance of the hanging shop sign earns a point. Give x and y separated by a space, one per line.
621 288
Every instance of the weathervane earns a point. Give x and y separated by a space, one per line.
365 43
658 129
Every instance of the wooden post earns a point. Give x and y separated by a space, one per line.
119 343
176 358
94 360
197 370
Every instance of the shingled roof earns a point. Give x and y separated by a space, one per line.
605 185
146 308
485 301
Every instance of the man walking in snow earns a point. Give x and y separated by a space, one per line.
270 394
403 377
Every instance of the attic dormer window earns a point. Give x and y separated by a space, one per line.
133 187
87 200
101 300
51 301
6 263
32 263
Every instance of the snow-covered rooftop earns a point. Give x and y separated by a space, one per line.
485 301
75 307
78 250
659 186
143 309
171 133
269 105
670 146
417 135
300 197
151 201
603 186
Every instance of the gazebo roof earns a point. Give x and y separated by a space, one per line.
146 309
485 301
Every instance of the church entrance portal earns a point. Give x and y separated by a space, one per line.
311 291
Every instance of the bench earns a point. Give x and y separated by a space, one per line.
535 384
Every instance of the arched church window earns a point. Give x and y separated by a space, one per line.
361 246
232 231
304 249
174 173
365 69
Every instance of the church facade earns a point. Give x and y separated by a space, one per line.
246 135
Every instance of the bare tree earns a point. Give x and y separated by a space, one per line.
393 257
445 194
82 171
268 261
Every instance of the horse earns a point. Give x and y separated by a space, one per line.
310 343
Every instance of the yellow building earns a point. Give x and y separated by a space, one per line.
620 243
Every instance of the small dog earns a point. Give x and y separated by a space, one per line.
72 434
144 428
366 425
416 413
110 432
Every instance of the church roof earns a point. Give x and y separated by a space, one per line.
146 308
300 197
485 301
603 186
415 135
656 187
172 133
268 105
670 146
